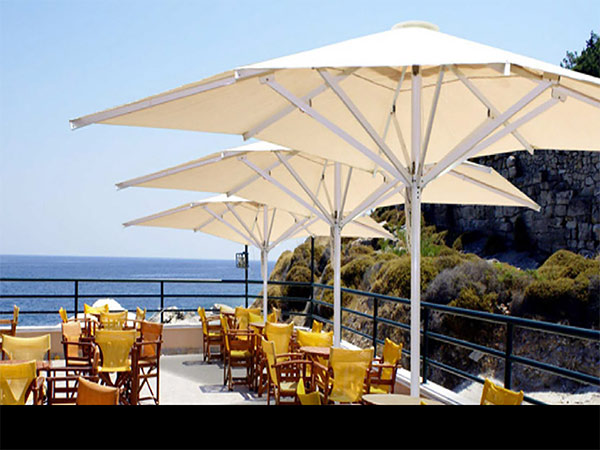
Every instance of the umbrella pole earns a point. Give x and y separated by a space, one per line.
337 247
337 300
415 235
415 291
264 254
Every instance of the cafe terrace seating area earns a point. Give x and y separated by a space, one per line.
115 358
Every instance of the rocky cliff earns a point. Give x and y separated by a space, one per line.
566 184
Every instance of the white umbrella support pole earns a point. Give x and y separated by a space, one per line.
264 254
337 297
415 235
415 292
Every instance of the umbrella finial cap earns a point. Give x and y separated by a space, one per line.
416 24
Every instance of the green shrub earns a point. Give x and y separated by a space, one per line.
352 274
393 278
566 264
298 273
469 298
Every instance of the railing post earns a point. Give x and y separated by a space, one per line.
375 314
162 302
76 298
508 357
425 342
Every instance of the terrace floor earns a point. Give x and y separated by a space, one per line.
188 380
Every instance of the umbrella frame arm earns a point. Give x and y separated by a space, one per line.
291 108
306 108
468 147
364 123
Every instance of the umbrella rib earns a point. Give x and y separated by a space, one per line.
434 103
256 176
279 185
370 228
464 149
290 231
401 139
226 223
290 108
579 96
166 172
517 123
268 238
302 184
343 205
496 190
304 107
159 215
364 123
488 104
241 222
161 98
376 197
393 107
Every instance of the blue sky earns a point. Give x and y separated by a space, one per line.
63 59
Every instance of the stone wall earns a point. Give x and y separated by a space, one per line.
566 184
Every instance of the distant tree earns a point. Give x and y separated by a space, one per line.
589 60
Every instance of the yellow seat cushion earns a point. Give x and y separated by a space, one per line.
241 353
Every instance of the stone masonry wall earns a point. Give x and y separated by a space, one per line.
566 184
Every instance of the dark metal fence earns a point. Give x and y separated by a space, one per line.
73 301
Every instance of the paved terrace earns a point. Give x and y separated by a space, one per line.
188 380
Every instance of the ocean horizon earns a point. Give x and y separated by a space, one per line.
117 268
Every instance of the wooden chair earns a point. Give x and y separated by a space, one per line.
382 375
27 348
146 362
77 350
317 326
91 317
281 335
242 318
18 381
62 382
345 379
12 330
116 347
113 320
91 393
211 335
493 394
285 372
307 398
238 351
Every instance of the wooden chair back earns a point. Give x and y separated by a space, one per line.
493 394
90 393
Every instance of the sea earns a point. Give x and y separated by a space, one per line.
35 296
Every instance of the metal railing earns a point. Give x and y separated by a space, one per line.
162 297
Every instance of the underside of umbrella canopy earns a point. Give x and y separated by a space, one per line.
244 221
351 101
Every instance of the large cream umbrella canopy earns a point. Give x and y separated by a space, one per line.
411 101
252 223
331 191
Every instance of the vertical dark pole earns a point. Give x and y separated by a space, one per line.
162 301
246 271
425 342
76 298
508 352
375 314
312 277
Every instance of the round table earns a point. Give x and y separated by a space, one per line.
322 352
396 399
